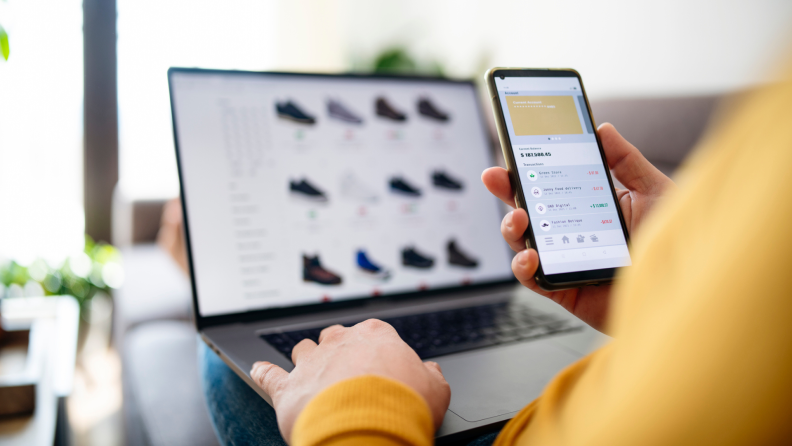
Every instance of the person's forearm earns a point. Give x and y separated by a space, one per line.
367 410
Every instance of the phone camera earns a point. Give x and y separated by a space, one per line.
502 77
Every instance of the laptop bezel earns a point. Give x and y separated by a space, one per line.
202 322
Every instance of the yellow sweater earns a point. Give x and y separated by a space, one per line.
702 323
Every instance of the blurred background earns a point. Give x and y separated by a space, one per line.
86 143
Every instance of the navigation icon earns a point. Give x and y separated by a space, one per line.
565 239
580 238
548 240
541 208
594 238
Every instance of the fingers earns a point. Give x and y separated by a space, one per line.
524 266
513 228
496 180
269 377
626 162
329 331
301 349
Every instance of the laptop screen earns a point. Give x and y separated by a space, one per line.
302 189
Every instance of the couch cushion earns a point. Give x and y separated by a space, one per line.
163 394
663 129
154 289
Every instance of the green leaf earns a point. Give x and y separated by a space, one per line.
4 43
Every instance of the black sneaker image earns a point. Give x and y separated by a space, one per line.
304 190
336 110
426 108
443 181
399 185
289 110
414 259
384 109
458 257
314 272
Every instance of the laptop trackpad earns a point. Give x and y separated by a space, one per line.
488 383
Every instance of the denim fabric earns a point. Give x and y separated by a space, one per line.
239 415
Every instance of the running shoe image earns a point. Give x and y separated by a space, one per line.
458 257
414 259
426 108
336 110
290 111
384 109
369 269
306 191
442 180
400 186
353 188
314 272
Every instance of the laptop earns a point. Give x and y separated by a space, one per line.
311 200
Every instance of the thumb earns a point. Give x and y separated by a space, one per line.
269 377
626 162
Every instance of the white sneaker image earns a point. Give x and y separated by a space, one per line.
353 188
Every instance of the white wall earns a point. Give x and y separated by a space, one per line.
622 47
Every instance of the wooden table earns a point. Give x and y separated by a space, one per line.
57 318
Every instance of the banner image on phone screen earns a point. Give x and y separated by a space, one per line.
570 204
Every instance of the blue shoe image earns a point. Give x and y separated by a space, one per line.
369 269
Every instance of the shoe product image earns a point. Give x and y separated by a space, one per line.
353 188
314 272
443 181
426 108
370 269
384 109
289 110
412 258
306 191
399 185
458 257
336 110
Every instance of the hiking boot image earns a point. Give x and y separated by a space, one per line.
457 257
385 110
412 258
369 269
306 191
336 110
441 180
314 272
400 186
289 110
426 108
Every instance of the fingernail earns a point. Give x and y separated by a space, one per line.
509 219
522 258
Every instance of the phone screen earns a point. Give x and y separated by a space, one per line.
569 200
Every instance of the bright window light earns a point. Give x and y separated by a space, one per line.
155 35
41 97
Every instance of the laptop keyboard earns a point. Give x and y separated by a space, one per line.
451 331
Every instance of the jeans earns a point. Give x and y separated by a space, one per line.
239 415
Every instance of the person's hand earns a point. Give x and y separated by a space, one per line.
369 348
645 184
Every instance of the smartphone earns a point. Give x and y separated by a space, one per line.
560 176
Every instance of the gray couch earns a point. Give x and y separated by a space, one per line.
163 400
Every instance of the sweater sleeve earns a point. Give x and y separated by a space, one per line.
366 410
